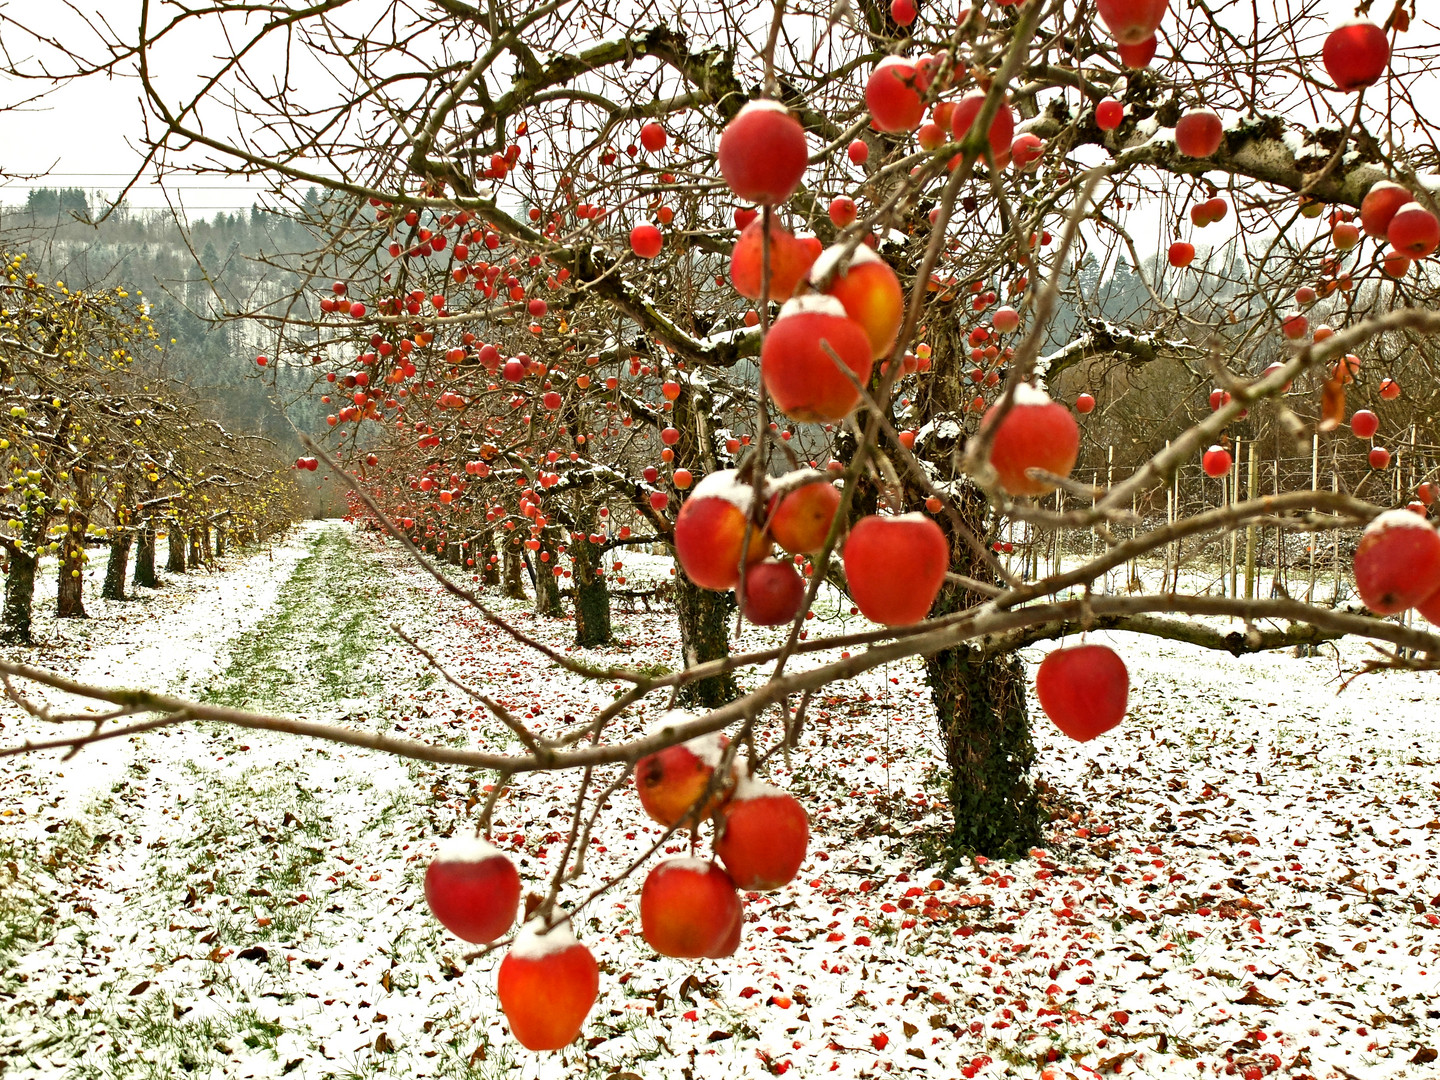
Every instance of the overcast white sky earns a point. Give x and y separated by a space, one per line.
87 134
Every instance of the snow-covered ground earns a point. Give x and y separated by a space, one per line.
1242 878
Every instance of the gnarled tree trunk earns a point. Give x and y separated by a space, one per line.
116 564
70 590
592 595
514 587
145 576
19 598
175 544
547 588
704 635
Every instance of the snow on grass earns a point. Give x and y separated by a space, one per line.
1242 875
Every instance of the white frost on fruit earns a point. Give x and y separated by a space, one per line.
750 787
707 748
812 303
534 942
691 865
761 105
726 485
466 849
829 259
1396 519
1027 395
894 61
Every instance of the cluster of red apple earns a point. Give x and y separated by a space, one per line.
689 907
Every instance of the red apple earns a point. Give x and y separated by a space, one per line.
892 94
762 153
858 152
842 211
1430 609
1130 22
688 908
652 137
646 241
868 290
761 836
1084 403
1380 205
1344 236
895 567
1109 114
1002 128
1026 150
1140 54
1036 433
1083 689
1216 461
790 259
1199 133
1181 254
1356 54
472 889
796 362
1397 563
547 984
773 593
1428 492
671 782
1413 231
1379 457
800 519
1389 389
710 531
1364 424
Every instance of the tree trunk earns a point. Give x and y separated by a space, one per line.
979 700
704 635
980 705
592 595
114 587
514 587
145 575
490 571
547 588
220 541
176 545
19 598
207 552
70 592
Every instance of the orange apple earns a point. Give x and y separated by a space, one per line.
761 836
688 908
800 519
868 290
710 531
672 781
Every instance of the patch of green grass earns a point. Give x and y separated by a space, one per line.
328 617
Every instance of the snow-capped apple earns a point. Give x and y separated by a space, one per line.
1379 457
1085 403
670 782
1198 133
1364 424
646 241
761 836
1006 320
1002 128
762 153
800 519
1216 461
773 593
1389 389
1027 149
790 260
1109 114
1428 493
895 567
472 889
893 94
688 908
1356 54
710 531
547 984
798 360
1083 689
1397 562
1413 231
1035 433
1131 21
842 211
1381 203
868 290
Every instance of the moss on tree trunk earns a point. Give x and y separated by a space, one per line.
704 635
19 598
